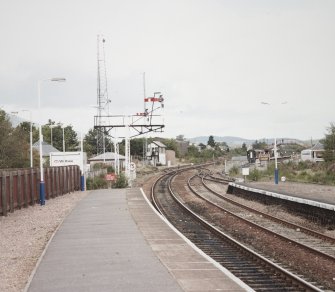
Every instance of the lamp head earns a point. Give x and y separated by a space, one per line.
58 79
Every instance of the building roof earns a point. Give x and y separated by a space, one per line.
46 148
159 144
318 146
106 156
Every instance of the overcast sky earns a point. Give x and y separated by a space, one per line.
215 61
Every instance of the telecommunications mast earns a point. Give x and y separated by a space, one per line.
102 94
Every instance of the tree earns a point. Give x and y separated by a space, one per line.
70 136
136 147
121 181
329 144
180 138
202 146
14 149
259 145
24 129
211 141
192 151
171 144
90 142
238 151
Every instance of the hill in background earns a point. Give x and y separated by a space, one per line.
230 140
238 141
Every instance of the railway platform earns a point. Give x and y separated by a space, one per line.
115 241
320 196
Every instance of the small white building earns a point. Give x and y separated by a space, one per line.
156 153
313 154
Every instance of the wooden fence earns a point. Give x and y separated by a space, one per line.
20 187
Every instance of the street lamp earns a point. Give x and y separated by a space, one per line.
51 127
275 149
42 185
63 127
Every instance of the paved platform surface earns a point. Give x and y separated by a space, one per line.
319 196
319 193
114 241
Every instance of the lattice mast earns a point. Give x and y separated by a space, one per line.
145 140
102 93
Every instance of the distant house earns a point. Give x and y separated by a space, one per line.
313 154
156 153
108 158
170 157
46 148
182 147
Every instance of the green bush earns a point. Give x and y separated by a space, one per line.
121 182
98 166
110 169
233 171
97 182
255 175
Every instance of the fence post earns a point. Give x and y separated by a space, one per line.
54 192
57 182
32 196
72 179
11 197
48 188
66 180
25 187
52 182
38 185
76 179
19 189
62 179
4 195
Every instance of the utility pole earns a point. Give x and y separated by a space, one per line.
145 140
142 123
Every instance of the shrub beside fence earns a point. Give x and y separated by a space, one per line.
20 187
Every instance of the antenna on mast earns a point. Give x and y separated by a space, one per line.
102 92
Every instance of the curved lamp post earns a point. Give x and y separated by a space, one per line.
42 185
51 127
275 149
63 129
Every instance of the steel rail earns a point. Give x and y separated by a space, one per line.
318 252
245 250
274 218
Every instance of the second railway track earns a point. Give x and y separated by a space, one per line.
255 270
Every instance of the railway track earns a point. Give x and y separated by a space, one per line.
316 242
254 269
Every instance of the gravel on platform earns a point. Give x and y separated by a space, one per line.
24 235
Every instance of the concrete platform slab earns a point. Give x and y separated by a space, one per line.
114 241
99 248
